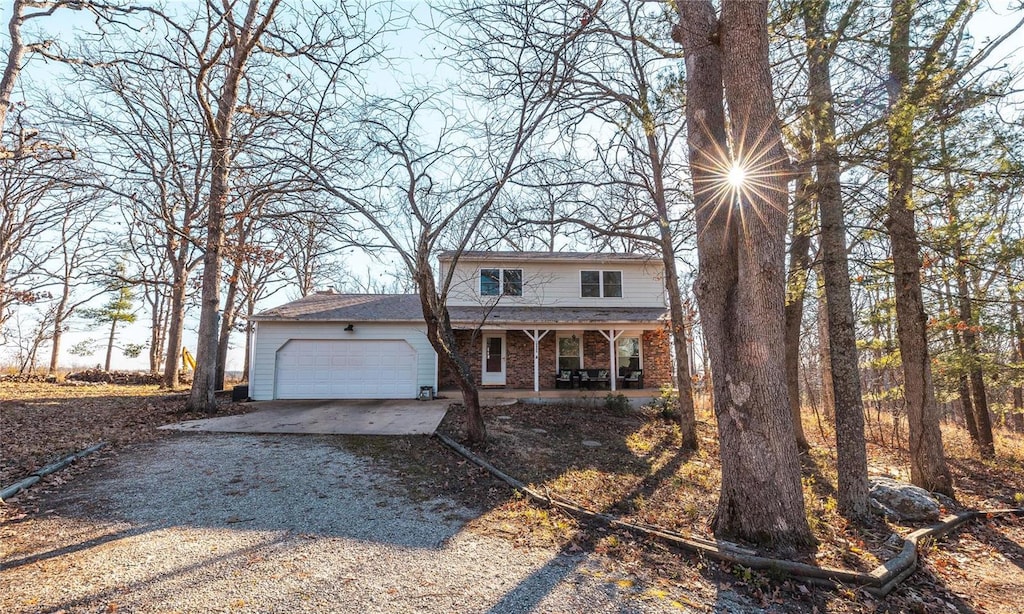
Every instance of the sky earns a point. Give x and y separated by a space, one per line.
410 65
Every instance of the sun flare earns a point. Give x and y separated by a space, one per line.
737 175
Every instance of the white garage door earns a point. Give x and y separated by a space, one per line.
363 369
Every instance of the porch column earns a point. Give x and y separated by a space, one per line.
536 335
612 337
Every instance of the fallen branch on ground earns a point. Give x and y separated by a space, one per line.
38 474
880 582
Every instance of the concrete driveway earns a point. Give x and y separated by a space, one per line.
329 417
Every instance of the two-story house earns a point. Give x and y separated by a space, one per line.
523 320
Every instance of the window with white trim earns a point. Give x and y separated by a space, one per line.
570 352
501 282
601 284
628 349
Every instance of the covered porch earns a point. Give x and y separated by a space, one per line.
554 360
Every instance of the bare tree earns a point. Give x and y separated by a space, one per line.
927 460
436 189
741 280
34 191
638 180
77 252
144 130
851 449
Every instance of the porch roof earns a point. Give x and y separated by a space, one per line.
331 307
556 317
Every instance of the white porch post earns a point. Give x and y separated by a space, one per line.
612 337
535 335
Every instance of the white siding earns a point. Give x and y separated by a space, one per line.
273 335
557 284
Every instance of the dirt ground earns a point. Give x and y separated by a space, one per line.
635 471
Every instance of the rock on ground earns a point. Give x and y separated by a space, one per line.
904 501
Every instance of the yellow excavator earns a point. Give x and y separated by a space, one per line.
187 359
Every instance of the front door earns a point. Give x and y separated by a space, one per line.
493 373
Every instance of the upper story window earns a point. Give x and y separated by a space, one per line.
599 284
498 282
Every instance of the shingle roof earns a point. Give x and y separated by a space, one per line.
546 256
406 308
349 307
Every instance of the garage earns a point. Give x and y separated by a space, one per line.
346 369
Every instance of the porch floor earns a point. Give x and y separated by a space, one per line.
500 396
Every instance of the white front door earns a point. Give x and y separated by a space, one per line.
493 372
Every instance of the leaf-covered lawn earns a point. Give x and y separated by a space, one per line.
41 422
630 466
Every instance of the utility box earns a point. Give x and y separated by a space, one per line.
240 393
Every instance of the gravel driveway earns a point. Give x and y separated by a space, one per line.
228 523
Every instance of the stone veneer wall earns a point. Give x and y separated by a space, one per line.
657 359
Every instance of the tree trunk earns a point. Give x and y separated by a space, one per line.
799 268
226 325
110 344
248 346
851 452
243 37
828 397
201 398
175 332
442 338
1018 389
741 280
58 326
927 460
687 414
983 423
58 332
15 57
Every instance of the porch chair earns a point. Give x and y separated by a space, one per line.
563 378
635 378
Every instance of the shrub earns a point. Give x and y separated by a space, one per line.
617 403
666 406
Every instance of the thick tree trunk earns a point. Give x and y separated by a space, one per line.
221 128
927 460
55 341
442 339
799 269
741 281
851 452
202 398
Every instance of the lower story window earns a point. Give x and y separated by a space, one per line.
570 353
629 353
